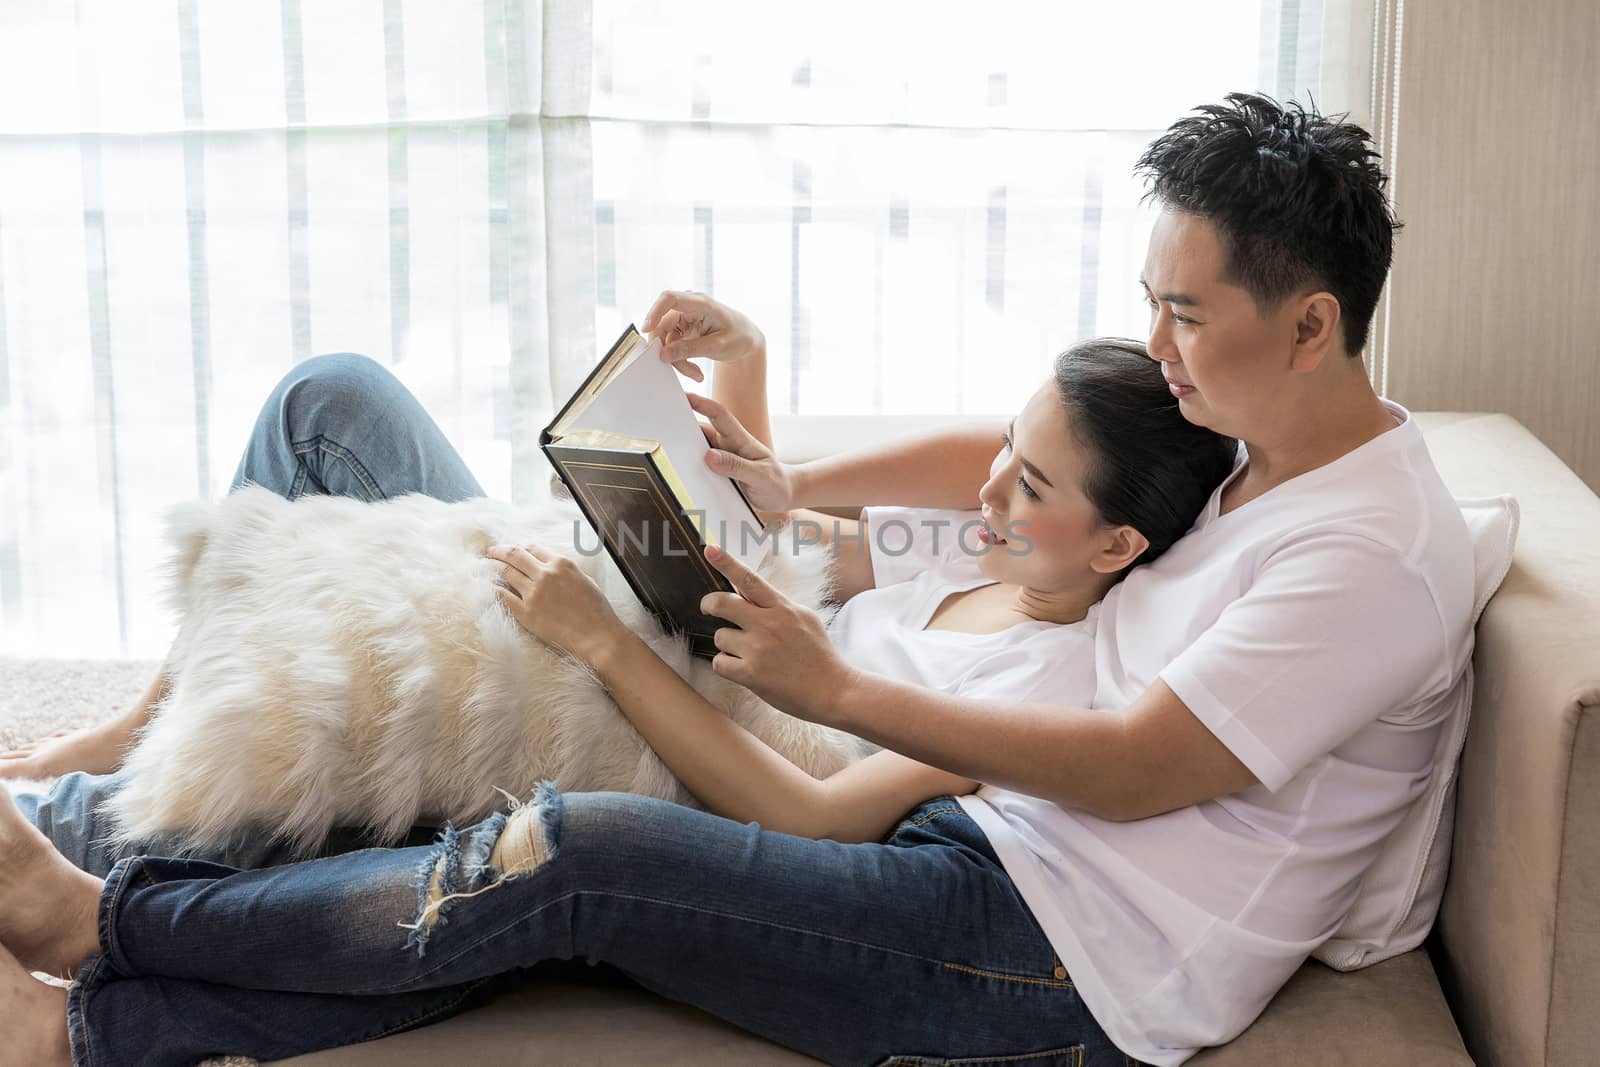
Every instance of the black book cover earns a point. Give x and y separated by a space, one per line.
627 498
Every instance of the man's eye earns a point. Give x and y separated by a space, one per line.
1180 320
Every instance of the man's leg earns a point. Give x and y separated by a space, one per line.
851 953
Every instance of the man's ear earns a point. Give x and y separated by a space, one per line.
1120 546
1316 331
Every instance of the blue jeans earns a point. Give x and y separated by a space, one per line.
914 949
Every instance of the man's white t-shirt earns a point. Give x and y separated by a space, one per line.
918 561
1321 631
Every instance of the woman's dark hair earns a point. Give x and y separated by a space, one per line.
1296 197
1149 467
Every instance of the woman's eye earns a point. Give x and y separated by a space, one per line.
1027 490
1005 439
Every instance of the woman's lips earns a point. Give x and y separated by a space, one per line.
988 536
1179 390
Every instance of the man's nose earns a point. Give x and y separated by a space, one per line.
1161 347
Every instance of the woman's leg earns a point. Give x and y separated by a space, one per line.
343 424
851 953
339 424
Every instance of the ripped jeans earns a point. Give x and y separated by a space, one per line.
912 950
915 949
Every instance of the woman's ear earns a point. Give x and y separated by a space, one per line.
1119 546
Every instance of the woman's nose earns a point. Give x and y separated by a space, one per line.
985 492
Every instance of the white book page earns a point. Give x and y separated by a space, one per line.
646 399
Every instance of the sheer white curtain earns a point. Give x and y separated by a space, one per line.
919 203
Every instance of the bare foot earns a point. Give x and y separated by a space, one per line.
36 1019
97 749
48 908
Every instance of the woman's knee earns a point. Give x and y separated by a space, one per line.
335 378
339 383
587 827
607 837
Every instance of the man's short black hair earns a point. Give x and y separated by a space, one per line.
1297 199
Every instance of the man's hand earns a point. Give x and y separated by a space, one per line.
555 601
780 651
692 325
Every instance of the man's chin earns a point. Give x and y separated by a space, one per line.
1194 409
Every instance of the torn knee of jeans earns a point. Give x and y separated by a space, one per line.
468 863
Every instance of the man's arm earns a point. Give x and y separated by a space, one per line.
1155 757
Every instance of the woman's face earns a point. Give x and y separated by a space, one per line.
1034 500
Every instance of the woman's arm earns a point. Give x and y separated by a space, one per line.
741 387
867 798
937 470
735 775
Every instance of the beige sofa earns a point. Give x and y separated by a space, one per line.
1511 974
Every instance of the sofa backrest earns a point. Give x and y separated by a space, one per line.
1519 928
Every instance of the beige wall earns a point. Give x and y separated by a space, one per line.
1496 287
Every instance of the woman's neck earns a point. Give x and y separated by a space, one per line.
1059 605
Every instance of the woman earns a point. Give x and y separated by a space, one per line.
847 888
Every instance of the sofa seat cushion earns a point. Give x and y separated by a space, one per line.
1392 1012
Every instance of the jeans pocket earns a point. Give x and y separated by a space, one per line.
1064 1056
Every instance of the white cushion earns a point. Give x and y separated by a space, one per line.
1400 893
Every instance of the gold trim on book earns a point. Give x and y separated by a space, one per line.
670 474
620 355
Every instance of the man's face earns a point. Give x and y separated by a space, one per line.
1209 334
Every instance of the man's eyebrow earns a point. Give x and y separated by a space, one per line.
1182 299
1011 433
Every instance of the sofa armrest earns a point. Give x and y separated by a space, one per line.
1519 927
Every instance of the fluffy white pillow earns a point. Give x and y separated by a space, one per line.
345 663
1400 893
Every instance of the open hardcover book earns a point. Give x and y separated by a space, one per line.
629 448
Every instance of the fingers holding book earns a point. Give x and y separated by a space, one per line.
780 650
692 325
768 483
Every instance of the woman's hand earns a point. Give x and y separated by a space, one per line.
780 651
769 484
692 325
555 601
